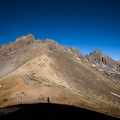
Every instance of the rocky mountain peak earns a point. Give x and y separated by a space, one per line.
96 52
29 38
96 57
20 42
102 62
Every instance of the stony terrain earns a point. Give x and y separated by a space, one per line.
33 70
103 62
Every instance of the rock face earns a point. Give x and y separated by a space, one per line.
19 43
118 65
54 46
29 38
33 70
103 62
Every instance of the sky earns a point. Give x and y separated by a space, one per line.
85 24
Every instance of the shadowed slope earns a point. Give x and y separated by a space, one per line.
51 112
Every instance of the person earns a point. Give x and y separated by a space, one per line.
48 100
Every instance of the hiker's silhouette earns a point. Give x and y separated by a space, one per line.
48 100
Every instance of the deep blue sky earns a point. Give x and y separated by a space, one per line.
86 24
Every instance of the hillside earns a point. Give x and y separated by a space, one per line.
31 71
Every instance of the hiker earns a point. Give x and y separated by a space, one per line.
48 100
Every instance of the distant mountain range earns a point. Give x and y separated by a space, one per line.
33 70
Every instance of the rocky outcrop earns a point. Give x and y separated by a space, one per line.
19 43
54 46
118 66
28 38
98 59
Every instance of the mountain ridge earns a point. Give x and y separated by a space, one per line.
95 58
31 38
33 70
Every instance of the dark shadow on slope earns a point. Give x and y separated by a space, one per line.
50 112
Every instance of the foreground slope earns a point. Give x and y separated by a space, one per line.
47 69
51 111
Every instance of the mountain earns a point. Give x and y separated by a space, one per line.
104 64
31 71
101 61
